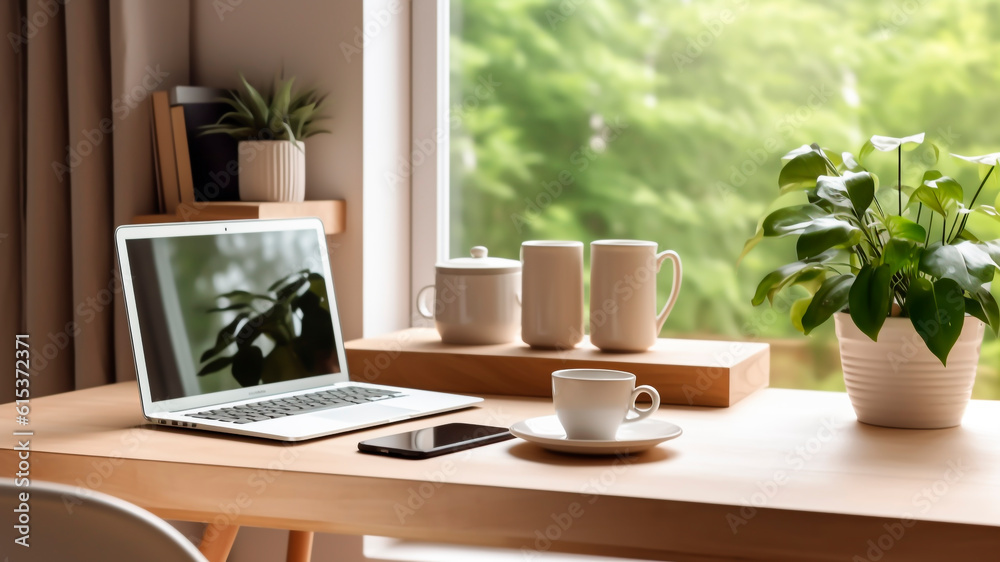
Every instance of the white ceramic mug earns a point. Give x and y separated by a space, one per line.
475 300
623 313
593 403
552 294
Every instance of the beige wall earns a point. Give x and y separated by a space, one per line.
257 37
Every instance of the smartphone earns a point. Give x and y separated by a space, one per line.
434 441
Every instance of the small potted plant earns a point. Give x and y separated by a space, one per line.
908 290
270 129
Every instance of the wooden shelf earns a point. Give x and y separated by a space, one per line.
687 372
332 213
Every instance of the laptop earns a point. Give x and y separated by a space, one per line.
235 329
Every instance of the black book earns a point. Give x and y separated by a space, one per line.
214 163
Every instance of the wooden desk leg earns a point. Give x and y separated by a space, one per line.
217 541
300 544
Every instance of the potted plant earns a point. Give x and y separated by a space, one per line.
905 281
270 129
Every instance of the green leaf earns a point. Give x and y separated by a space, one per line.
904 228
282 97
825 233
932 151
307 97
785 274
992 249
299 117
291 135
993 180
801 172
215 365
261 110
937 312
937 193
850 163
886 144
789 220
870 299
831 297
966 236
832 190
811 280
991 311
973 308
244 119
866 149
750 244
309 131
967 263
833 157
900 254
853 189
860 188
797 311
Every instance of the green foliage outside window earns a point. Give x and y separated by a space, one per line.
666 121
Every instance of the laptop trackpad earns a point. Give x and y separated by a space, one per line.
369 413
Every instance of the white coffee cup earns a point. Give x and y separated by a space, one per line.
623 313
552 294
593 403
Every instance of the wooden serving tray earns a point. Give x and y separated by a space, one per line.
686 372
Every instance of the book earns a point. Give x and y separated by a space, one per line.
213 158
183 155
164 151
156 165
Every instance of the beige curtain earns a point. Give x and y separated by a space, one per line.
76 160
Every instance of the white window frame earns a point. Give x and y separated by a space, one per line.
429 157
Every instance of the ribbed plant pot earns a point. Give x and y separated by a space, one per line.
898 382
272 170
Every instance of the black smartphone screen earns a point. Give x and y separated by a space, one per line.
434 441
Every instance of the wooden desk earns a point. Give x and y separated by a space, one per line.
782 475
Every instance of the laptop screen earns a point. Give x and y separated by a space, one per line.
233 310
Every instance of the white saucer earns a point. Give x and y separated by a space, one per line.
632 437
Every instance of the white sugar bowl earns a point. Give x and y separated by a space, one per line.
476 300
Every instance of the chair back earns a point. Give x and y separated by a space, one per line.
60 522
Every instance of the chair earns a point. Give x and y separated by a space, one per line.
69 523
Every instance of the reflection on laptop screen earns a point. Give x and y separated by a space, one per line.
227 311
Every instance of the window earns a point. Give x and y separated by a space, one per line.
667 121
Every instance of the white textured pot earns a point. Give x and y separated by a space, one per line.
272 170
898 382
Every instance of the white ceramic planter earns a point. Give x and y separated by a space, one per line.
898 382
272 171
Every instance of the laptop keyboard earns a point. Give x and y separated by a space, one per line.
299 404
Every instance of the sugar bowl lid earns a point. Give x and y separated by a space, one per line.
479 264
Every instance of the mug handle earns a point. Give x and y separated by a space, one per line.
422 303
675 289
642 414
